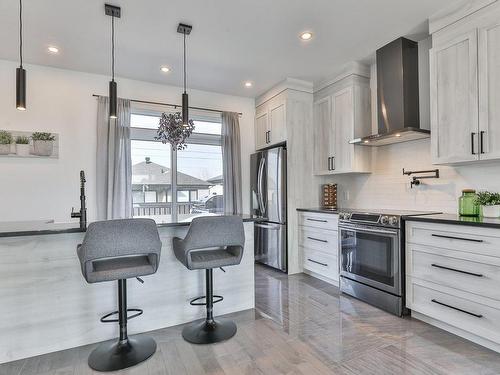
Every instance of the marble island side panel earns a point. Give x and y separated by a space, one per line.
47 305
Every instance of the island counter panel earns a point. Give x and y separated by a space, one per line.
47 305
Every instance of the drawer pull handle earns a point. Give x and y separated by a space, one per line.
455 270
319 221
317 239
457 238
315 261
456 308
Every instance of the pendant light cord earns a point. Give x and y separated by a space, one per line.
21 32
113 48
184 62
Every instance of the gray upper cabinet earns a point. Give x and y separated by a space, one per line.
341 114
465 89
261 128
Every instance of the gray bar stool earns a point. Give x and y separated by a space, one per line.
119 250
211 242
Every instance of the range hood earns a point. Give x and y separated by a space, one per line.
397 95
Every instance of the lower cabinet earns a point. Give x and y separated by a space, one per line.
453 279
318 243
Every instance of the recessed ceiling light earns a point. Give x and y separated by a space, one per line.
366 141
398 135
248 84
53 49
306 35
165 69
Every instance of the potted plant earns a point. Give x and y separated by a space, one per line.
43 143
489 202
5 141
22 146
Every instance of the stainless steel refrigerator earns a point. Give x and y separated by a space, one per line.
268 200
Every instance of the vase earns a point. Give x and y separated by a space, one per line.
43 148
491 211
4 149
22 150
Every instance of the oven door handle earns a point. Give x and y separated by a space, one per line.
364 229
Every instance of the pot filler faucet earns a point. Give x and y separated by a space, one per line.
82 214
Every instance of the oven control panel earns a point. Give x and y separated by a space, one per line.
370 219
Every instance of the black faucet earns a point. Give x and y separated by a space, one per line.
82 214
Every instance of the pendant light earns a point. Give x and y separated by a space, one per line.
185 30
20 72
112 11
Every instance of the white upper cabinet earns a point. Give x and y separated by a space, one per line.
454 98
465 89
261 129
270 122
489 86
341 114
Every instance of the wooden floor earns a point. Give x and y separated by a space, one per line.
301 326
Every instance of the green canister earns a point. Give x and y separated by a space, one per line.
467 203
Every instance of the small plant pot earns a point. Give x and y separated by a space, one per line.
4 149
22 150
491 211
43 148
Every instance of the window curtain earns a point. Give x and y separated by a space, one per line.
114 164
231 161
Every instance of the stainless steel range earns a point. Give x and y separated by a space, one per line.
372 257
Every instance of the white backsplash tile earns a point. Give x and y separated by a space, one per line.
387 187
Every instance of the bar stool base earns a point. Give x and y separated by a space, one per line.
204 332
112 355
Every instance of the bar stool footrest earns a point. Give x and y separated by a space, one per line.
216 299
105 319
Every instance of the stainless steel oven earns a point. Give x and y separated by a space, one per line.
371 259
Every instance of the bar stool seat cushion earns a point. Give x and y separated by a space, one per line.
211 242
110 252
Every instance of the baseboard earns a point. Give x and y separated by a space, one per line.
321 277
457 331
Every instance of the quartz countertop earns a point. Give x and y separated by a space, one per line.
320 210
457 219
42 227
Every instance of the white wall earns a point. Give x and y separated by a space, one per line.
61 101
386 187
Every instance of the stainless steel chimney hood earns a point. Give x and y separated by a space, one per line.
397 95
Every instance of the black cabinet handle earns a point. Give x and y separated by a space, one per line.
457 238
317 239
481 142
318 220
333 163
329 163
455 270
472 142
456 308
315 261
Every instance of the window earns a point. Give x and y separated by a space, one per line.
176 185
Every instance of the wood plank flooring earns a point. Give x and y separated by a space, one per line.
301 326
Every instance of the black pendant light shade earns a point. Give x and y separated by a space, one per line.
112 99
21 89
185 30
20 72
185 109
112 11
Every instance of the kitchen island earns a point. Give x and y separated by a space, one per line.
47 305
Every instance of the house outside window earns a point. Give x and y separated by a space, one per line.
172 185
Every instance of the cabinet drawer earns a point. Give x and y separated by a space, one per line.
479 319
319 239
321 263
464 274
317 220
485 241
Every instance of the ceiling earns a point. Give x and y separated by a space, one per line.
232 40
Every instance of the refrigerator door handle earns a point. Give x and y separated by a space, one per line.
259 186
278 179
262 197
